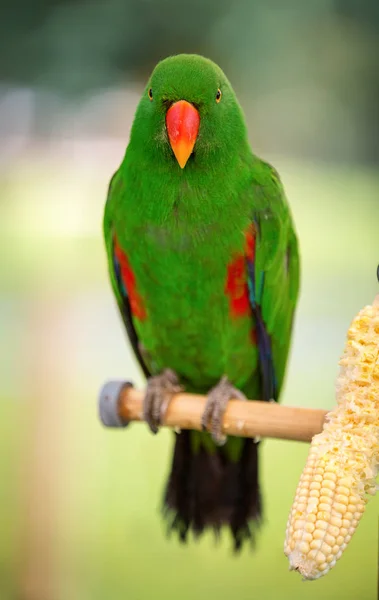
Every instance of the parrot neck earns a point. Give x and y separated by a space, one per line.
163 193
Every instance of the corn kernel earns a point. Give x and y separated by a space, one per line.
320 558
311 518
336 521
333 530
329 539
348 517
326 492
318 534
309 527
342 499
339 508
340 540
326 549
329 484
304 547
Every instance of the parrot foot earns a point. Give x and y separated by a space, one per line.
160 389
217 401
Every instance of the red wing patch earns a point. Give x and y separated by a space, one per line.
128 278
236 282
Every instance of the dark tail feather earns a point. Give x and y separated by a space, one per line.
209 490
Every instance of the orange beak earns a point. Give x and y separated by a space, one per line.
182 122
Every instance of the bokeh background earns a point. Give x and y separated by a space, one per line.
79 503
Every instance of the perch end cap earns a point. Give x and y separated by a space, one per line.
109 400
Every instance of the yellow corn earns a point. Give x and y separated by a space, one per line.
343 460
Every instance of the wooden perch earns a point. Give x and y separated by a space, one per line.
120 403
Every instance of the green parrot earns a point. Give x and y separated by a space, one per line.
203 261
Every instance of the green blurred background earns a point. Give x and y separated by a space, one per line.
79 503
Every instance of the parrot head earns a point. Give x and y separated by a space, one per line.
188 114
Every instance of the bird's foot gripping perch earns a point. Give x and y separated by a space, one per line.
217 401
159 392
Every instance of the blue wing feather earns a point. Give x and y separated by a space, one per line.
269 383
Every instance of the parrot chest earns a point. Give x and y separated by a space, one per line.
191 309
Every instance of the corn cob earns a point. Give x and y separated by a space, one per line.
343 460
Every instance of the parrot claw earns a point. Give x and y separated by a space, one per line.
217 401
160 389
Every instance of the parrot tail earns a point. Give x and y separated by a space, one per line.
208 490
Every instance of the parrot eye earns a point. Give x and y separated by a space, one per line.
150 94
218 96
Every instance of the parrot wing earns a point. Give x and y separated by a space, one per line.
273 273
117 268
